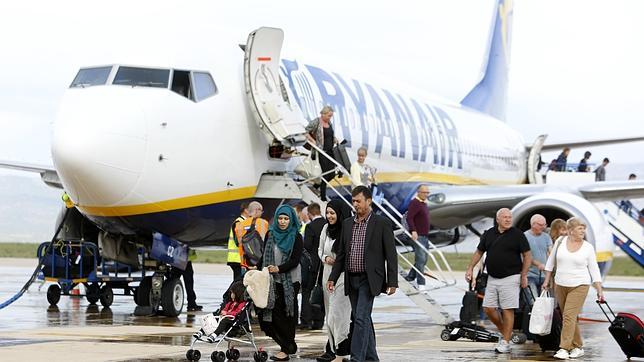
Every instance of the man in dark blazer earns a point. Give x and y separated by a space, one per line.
312 318
368 259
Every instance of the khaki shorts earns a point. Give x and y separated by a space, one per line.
502 293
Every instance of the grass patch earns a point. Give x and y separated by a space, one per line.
622 266
18 250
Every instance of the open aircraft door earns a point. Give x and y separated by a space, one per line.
534 177
276 115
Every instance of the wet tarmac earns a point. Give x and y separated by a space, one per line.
76 330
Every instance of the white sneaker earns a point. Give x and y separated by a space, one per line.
502 347
576 352
423 287
562 354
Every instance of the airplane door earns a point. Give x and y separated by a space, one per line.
533 161
276 115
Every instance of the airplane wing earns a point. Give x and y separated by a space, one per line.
48 174
589 143
451 206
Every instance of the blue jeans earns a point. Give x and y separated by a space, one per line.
420 260
363 340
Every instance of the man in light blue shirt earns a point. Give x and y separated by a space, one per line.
540 245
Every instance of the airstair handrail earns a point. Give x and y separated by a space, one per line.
446 281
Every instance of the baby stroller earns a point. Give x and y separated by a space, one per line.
239 332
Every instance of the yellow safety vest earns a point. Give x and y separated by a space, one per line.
233 249
192 255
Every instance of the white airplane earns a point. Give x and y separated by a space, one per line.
169 149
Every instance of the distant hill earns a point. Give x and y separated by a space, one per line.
28 208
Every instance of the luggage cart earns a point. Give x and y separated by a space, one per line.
70 263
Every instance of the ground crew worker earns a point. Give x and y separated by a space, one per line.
255 210
233 259
188 279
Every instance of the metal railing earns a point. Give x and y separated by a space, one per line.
383 204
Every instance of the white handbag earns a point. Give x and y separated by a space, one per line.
541 317
309 168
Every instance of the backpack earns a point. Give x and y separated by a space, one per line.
253 245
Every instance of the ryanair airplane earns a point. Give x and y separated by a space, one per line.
147 149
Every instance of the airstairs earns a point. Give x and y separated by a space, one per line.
627 230
281 121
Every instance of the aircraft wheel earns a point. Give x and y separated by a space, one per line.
172 297
106 296
142 293
92 293
53 294
445 335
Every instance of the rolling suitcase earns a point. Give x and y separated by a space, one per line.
340 155
627 329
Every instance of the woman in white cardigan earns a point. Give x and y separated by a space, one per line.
336 304
575 266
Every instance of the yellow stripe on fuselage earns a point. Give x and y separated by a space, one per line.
249 192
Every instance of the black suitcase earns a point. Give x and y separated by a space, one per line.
627 329
522 315
551 341
470 309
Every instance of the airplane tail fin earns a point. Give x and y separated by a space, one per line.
490 93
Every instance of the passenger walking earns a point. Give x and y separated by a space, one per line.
337 305
575 266
367 256
189 280
253 222
583 164
540 247
282 253
233 258
320 131
312 318
418 221
505 246
600 172
562 159
361 173
558 228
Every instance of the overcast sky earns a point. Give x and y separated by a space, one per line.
576 68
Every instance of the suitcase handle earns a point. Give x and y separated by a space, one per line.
599 303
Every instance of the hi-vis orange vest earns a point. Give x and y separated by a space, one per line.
240 230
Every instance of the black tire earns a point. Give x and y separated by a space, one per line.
233 354
193 355
106 296
263 356
142 292
218 356
445 335
53 294
172 297
92 293
256 357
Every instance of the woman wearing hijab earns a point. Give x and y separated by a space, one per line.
337 305
282 253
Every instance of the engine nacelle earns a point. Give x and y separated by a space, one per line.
562 205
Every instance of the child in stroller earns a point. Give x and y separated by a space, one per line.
229 323
214 324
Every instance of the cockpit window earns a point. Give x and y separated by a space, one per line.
204 85
91 76
142 77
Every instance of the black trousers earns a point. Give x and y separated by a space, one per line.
188 279
224 325
282 328
326 165
236 268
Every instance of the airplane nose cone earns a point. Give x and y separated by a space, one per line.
99 145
